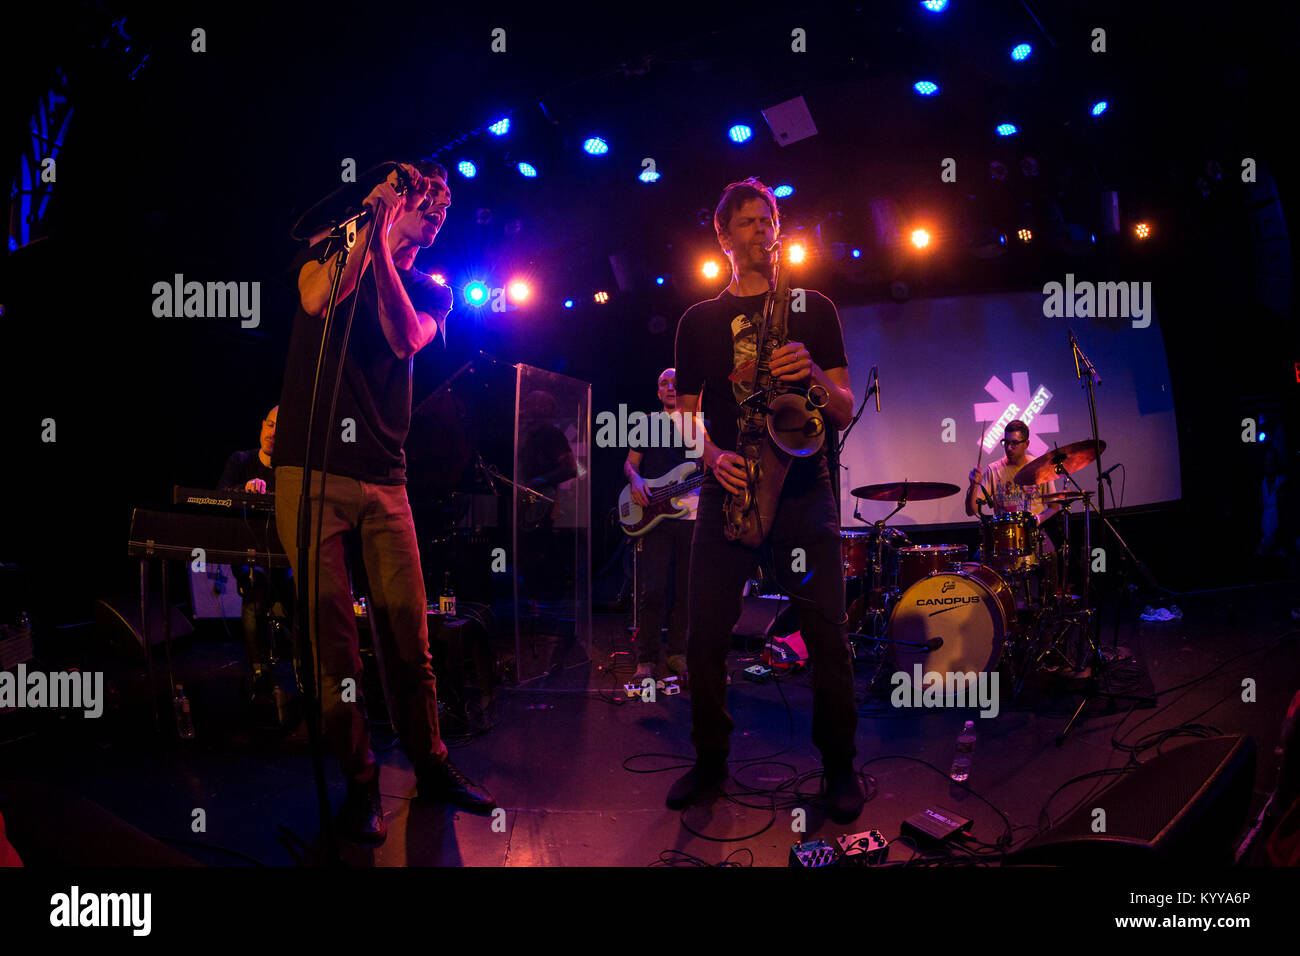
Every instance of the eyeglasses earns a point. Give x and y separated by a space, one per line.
1014 441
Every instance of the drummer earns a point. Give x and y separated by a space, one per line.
999 480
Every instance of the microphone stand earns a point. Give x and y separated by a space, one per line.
1086 372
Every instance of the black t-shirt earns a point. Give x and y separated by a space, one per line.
375 391
241 468
717 343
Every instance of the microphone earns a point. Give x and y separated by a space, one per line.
1106 474
933 644
336 210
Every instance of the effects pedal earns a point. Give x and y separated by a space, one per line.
670 686
935 825
868 848
813 854
758 674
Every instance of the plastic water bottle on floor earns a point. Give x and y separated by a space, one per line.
960 772
184 722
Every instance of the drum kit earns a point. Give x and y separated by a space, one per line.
1012 609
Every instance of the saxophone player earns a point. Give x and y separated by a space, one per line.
717 358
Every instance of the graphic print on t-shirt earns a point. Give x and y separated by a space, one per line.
744 355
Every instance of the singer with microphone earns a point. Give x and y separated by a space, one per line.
398 311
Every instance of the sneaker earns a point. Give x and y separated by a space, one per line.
677 664
701 784
444 783
361 817
844 794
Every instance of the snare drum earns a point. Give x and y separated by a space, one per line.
858 549
916 562
1011 542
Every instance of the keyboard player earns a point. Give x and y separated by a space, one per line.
266 593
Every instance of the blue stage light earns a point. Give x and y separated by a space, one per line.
659 280
527 170
1099 107
500 127
780 192
467 169
740 133
1021 51
568 303
935 6
595 146
1007 129
856 253
649 176
476 293
925 87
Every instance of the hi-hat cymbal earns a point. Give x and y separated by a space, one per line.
1070 457
911 490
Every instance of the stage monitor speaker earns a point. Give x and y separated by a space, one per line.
1185 806
759 616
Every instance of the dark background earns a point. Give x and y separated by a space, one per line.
180 162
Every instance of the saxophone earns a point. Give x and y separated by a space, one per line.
778 423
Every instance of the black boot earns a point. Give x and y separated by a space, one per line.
444 783
844 793
701 784
361 817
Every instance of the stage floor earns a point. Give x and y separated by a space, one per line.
581 770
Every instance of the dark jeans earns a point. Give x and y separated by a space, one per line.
398 610
664 560
719 570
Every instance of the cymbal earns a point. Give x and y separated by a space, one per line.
1070 457
1061 497
911 490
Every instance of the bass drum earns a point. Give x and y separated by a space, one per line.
972 612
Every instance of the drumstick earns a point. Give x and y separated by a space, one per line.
978 460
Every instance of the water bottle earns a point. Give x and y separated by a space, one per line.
184 723
447 601
960 772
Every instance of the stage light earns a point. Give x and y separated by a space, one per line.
710 269
935 6
476 293
601 297
1142 230
568 303
1007 129
1024 235
856 253
467 169
649 176
659 280
780 192
527 170
595 146
1263 436
1099 107
519 291
925 87
439 278
740 133
798 252
500 127
920 238
1021 51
